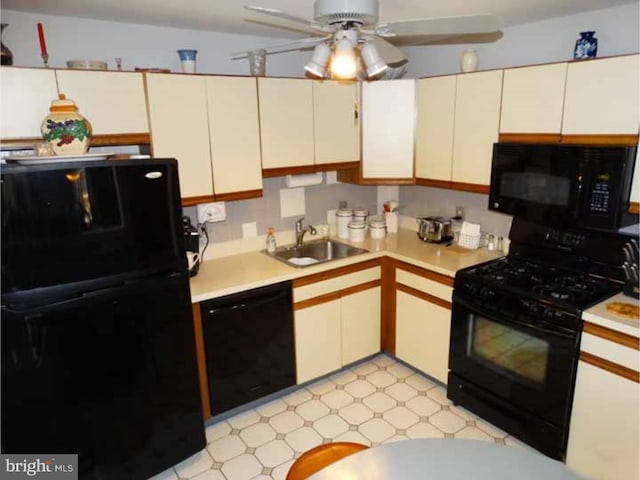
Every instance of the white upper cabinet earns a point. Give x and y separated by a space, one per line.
179 128
388 129
336 124
25 97
113 102
532 99
477 118
234 134
436 98
286 122
602 96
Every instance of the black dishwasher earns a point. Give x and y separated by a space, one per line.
249 345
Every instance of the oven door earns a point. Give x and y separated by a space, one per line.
528 366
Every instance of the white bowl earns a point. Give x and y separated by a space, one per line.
87 64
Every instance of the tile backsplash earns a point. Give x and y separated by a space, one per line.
419 201
265 211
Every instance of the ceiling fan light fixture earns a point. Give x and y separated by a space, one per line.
372 60
343 63
317 66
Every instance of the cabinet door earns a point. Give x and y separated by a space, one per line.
360 316
318 345
113 102
26 95
178 118
532 99
336 123
422 335
388 124
286 122
436 99
234 133
602 96
604 435
477 116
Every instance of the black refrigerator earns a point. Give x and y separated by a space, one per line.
98 351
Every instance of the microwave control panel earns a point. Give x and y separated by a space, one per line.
600 197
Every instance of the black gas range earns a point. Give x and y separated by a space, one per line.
516 326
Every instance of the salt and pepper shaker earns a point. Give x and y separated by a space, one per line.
491 244
119 64
500 245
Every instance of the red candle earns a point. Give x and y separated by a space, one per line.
43 45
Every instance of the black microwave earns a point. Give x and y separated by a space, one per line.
582 186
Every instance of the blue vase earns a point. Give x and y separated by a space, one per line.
586 46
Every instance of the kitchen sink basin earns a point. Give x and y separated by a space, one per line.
314 252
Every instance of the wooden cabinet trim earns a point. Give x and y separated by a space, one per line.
436 277
232 196
624 140
191 201
282 171
423 296
610 367
428 182
529 137
388 306
329 297
613 336
328 167
96 140
201 361
337 272
470 187
634 207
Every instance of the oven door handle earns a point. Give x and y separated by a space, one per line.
531 326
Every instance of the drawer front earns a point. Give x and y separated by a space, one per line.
614 352
432 287
335 284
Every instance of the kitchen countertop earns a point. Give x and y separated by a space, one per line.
599 315
235 273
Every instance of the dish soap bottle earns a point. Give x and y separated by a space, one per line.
271 241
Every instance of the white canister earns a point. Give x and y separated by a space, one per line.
377 227
343 217
357 230
361 214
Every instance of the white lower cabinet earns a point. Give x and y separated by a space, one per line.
337 319
318 343
604 435
360 324
423 320
422 335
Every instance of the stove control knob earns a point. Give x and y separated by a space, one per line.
535 309
485 292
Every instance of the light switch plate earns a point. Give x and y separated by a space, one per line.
292 202
249 230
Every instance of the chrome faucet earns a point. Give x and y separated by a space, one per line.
300 231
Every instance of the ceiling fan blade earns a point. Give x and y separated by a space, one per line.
482 23
280 14
391 54
284 47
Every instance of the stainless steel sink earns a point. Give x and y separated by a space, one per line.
314 252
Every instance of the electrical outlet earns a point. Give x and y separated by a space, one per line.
212 212
460 212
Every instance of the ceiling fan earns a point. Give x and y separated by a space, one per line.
350 41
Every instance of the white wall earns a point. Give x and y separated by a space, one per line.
138 45
617 30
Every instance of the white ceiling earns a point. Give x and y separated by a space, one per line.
229 16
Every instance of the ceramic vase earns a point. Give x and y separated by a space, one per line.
469 61
586 46
65 129
7 56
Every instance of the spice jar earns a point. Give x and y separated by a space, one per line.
65 129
